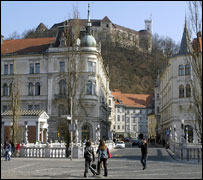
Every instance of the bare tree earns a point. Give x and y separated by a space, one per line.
195 61
15 89
74 89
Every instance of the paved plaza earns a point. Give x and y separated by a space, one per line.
125 164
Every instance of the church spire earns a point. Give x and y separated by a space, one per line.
88 23
184 46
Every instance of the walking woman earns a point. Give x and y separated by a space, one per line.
89 158
102 152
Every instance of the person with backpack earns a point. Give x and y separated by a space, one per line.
89 158
102 152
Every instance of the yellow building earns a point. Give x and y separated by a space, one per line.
152 127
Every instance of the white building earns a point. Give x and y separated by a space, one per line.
131 112
42 65
175 98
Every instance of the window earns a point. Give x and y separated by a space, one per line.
62 87
37 68
157 96
5 89
31 68
187 69
128 119
61 109
11 68
4 108
30 89
181 91
181 70
123 127
91 66
37 107
134 120
5 69
118 117
62 66
30 107
90 88
37 89
118 126
157 109
10 89
188 91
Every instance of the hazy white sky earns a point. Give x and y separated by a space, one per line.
167 16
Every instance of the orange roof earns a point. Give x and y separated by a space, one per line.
21 46
133 100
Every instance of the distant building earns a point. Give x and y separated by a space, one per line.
105 29
152 127
41 28
131 112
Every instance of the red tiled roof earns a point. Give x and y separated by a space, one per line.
133 100
21 46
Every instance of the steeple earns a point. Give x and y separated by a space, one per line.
88 23
184 46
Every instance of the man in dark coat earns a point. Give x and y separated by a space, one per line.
144 150
89 158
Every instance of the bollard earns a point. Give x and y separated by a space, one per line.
181 154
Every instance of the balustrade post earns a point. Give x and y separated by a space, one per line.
188 154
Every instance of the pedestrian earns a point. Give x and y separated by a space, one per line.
144 150
18 150
7 150
89 159
102 152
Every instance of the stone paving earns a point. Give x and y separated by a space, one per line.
124 164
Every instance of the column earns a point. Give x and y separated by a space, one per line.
42 136
37 131
26 133
2 132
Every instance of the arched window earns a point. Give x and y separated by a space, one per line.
188 91
187 69
181 70
30 89
61 109
181 91
62 87
189 133
10 89
5 89
37 89
90 88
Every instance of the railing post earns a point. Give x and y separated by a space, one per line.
181 153
187 154
198 155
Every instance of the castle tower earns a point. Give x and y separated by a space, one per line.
148 24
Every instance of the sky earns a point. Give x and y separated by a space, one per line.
168 17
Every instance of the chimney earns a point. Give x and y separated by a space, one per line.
199 34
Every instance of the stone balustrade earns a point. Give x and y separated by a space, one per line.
54 150
186 151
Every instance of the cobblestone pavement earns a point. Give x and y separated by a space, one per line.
124 164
